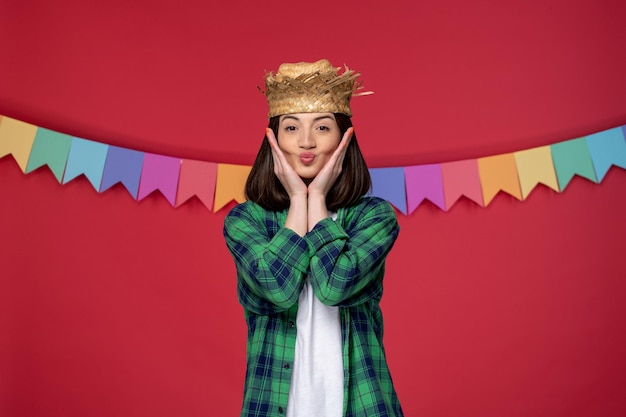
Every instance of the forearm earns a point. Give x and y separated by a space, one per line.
270 266
297 215
349 257
317 209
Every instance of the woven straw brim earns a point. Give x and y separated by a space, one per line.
318 92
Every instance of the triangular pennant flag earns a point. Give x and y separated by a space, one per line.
460 178
86 157
388 183
535 166
498 173
231 181
122 165
197 178
52 149
161 173
16 138
424 182
607 148
572 158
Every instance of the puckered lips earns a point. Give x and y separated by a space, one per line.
307 158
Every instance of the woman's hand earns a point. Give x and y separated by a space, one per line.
288 177
331 170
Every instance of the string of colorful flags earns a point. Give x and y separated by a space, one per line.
217 184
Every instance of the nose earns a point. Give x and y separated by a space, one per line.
307 140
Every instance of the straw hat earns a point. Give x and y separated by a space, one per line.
311 87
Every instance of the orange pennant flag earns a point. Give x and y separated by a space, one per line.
499 172
535 166
16 138
230 184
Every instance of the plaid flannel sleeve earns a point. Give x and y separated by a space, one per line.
347 265
271 268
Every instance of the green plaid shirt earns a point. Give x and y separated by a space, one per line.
345 260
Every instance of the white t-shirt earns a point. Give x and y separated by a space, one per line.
316 388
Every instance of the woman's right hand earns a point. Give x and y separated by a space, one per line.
288 177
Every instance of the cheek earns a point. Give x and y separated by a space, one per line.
332 146
286 145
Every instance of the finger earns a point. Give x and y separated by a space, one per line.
277 155
347 137
345 141
340 153
274 144
269 134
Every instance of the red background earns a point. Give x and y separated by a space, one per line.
110 306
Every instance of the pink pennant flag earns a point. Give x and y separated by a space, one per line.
424 182
197 178
460 178
159 172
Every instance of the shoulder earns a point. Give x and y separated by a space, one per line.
372 205
368 210
247 208
251 215
247 213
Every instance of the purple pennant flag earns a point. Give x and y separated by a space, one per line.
424 182
122 165
388 183
159 173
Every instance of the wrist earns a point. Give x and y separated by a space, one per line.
317 195
298 198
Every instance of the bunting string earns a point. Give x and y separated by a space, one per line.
217 184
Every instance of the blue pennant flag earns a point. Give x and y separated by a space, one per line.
607 148
86 157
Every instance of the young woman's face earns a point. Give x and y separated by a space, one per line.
308 140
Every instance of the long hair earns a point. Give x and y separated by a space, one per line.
264 188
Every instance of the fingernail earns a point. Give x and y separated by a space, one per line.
267 131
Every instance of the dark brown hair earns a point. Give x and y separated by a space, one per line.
264 188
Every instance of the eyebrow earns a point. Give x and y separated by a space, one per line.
289 116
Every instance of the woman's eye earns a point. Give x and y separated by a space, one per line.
323 128
290 128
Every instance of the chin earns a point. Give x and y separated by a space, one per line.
307 177
305 171
308 174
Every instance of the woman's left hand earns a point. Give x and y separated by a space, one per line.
331 170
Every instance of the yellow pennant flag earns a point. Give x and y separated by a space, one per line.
16 138
230 183
535 166
498 172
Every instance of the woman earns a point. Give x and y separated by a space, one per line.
310 249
